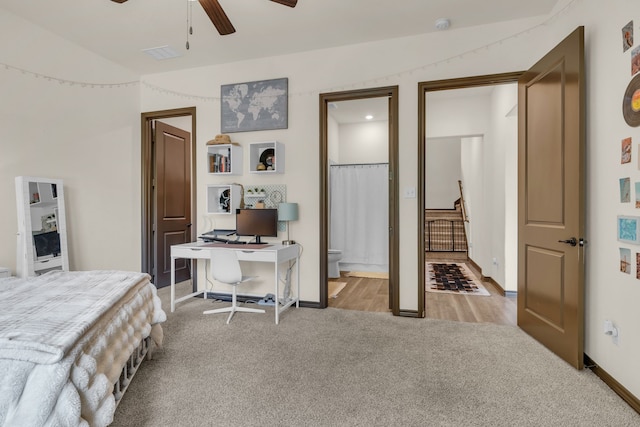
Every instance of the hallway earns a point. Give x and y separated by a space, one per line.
372 295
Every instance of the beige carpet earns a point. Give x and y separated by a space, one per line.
348 368
335 288
367 274
453 278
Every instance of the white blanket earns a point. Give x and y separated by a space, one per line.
64 338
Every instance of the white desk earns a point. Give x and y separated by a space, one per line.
273 253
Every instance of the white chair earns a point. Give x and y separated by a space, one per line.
225 268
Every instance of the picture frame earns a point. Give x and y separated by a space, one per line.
254 106
629 229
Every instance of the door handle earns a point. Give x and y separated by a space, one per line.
572 241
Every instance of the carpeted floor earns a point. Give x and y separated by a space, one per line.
453 278
336 367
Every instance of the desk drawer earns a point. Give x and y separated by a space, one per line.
259 255
193 253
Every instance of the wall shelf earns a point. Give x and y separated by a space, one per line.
263 156
224 159
223 198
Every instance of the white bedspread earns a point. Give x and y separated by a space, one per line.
64 338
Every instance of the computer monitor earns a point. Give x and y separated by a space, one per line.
257 223
47 244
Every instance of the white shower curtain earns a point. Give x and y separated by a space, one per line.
360 215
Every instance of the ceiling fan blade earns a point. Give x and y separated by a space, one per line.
217 16
119 1
290 3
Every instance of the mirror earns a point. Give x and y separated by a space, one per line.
42 238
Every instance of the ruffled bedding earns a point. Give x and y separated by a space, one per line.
64 338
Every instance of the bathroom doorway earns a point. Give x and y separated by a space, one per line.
358 197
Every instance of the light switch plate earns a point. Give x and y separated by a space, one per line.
410 192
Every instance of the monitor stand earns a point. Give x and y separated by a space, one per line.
258 241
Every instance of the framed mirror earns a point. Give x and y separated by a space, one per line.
42 237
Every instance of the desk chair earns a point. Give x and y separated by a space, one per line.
225 268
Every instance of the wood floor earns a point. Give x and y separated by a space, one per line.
373 295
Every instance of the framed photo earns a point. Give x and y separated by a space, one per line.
625 260
628 229
627 36
625 190
252 106
625 156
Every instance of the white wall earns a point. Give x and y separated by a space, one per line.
504 126
86 136
472 149
443 170
90 137
366 142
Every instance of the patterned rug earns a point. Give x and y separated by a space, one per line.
453 278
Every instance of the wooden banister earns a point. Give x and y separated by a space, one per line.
465 218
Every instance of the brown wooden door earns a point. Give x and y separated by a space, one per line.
172 205
551 199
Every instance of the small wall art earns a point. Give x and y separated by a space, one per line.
252 106
625 156
627 36
625 190
628 229
635 61
625 260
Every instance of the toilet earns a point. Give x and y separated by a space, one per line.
334 257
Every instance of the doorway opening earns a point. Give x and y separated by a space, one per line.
457 197
180 137
351 176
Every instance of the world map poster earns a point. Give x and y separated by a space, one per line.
251 106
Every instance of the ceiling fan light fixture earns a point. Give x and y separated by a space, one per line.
443 24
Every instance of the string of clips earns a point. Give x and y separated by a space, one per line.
359 84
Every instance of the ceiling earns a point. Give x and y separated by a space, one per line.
119 32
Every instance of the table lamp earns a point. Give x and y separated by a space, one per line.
288 212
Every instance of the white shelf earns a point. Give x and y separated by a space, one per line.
224 159
223 199
268 154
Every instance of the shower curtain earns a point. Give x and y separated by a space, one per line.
359 216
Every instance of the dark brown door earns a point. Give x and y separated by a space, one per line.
551 200
172 206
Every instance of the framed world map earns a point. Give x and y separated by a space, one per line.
251 106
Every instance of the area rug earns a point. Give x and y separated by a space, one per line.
335 288
453 278
368 274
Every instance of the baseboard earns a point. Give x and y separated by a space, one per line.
613 384
310 304
409 313
489 279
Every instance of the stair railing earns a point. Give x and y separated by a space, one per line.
465 218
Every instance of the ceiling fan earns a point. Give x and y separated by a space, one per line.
219 18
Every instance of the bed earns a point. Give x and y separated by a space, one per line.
70 343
